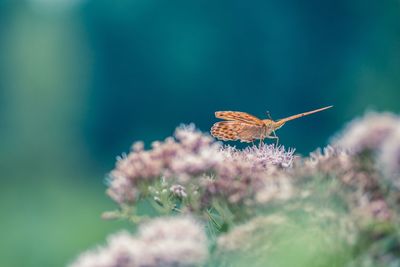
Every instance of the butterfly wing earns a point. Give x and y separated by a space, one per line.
236 130
238 116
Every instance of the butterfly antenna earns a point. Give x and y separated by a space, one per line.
269 115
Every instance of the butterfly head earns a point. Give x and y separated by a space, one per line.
273 125
269 124
278 124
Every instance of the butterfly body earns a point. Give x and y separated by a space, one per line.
248 128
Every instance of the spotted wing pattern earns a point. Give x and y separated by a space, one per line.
238 116
236 130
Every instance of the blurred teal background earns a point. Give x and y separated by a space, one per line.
80 80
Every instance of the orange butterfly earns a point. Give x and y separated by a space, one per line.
247 128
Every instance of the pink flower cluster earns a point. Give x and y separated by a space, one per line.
247 174
360 181
189 154
339 188
166 242
193 158
379 134
367 133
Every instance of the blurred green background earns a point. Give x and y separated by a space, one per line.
80 80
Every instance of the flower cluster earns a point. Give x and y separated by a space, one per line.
190 154
358 180
170 242
367 133
259 202
378 134
263 155
193 163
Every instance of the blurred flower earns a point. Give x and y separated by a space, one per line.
333 163
121 190
170 242
138 146
178 191
189 157
121 250
174 241
329 159
360 181
191 153
339 164
367 133
276 187
389 157
379 210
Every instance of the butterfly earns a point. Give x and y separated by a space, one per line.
248 128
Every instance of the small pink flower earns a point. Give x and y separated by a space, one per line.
178 191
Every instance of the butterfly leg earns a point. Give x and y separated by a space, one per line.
274 137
